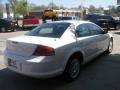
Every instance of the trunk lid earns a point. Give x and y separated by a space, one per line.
26 45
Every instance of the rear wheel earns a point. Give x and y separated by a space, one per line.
117 27
13 30
72 70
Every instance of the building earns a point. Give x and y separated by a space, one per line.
66 12
4 12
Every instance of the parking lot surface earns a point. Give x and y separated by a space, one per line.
100 74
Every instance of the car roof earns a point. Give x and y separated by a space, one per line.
75 22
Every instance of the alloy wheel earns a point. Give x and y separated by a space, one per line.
74 68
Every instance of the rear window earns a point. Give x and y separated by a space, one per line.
54 30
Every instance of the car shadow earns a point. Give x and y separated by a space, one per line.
103 58
11 81
100 74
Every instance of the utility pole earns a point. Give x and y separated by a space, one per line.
118 8
26 7
8 10
1 9
82 8
52 4
14 7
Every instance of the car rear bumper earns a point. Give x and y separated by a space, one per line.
38 74
30 25
37 67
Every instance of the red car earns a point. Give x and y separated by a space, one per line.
30 21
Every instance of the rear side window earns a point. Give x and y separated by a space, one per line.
54 30
82 30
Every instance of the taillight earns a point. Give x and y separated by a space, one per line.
43 51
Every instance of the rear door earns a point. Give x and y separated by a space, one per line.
86 42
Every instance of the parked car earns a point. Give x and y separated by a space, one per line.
105 21
8 25
68 18
30 21
56 48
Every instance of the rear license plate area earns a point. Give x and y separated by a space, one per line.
12 63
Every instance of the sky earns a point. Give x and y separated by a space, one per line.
73 3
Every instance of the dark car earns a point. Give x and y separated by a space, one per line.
68 18
104 21
8 25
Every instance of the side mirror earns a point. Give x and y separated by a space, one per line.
77 33
105 31
72 30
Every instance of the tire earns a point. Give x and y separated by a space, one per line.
3 29
110 46
23 28
72 70
13 30
117 27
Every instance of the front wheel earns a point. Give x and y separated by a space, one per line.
3 29
72 70
110 46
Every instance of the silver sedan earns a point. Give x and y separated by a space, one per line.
57 48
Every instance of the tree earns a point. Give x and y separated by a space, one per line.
113 10
52 5
1 10
62 7
21 7
13 5
93 9
18 6
42 7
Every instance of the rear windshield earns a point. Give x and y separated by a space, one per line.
54 30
